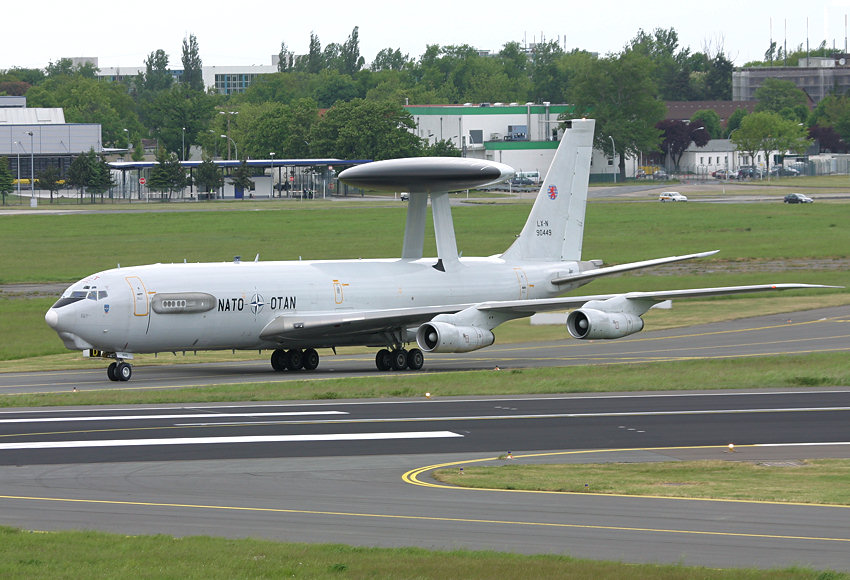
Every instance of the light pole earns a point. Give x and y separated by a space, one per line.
229 114
33 202
18 143
183 144
271 174
613 157
235 148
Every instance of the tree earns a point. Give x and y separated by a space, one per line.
362 129
350 59
677 136
768 132
734 120
718 79
828 139
89 173
192 65
156 76
208 176
167 176
442 148
833 111
784 98
312 63
710 120
49 180
285 59
7 180
389 59
619 93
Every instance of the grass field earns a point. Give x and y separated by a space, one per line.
716 479
95 555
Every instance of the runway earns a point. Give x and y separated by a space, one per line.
357 472
822 330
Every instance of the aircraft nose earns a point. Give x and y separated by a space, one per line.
52 319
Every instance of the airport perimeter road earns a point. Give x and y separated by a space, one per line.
822 330
348 472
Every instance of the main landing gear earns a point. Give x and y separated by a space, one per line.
119 371
295 359
399 359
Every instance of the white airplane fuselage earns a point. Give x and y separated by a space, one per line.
143 308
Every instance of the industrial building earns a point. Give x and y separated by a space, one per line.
33 139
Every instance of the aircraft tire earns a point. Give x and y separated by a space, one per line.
296 359
279 360
383 360
399 359
123 371
110 371
311 359
415 359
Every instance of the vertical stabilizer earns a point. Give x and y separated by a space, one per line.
555 227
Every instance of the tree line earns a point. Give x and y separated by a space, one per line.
362 114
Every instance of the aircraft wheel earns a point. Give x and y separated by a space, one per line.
280 360
399 359
296 359
383 360
110 371
311 359
415 359
123 371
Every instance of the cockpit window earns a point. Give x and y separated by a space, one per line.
78 295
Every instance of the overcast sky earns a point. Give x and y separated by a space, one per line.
250 31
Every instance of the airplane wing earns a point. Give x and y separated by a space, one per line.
529 307
608 270
316 326
321 324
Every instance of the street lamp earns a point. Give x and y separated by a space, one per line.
235 148
271 174
229 114
18 143
33 202
613 157
183 144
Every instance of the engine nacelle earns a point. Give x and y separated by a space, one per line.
590 323
446 337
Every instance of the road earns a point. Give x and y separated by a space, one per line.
348 471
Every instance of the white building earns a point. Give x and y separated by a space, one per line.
524 136
226 80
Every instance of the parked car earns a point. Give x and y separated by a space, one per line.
660 174
798 198
672 196
404 196
640 174
725 174
750 172
783 171
521 181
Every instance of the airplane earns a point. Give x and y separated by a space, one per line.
443 304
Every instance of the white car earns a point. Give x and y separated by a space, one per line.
672 196
404 196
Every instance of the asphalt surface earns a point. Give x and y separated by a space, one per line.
346 472
822 330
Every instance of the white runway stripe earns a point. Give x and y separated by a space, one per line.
214 440
181 416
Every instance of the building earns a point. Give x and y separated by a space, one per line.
524 136
226 80
33 139
816 76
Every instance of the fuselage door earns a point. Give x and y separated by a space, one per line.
140 295
523 283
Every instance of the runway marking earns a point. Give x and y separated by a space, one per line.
180 416
424 518
217 440
412 476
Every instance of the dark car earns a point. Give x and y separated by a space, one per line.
798 198
660 174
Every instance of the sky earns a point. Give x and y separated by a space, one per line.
250 31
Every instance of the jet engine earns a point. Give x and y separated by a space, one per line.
446 337
591 323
